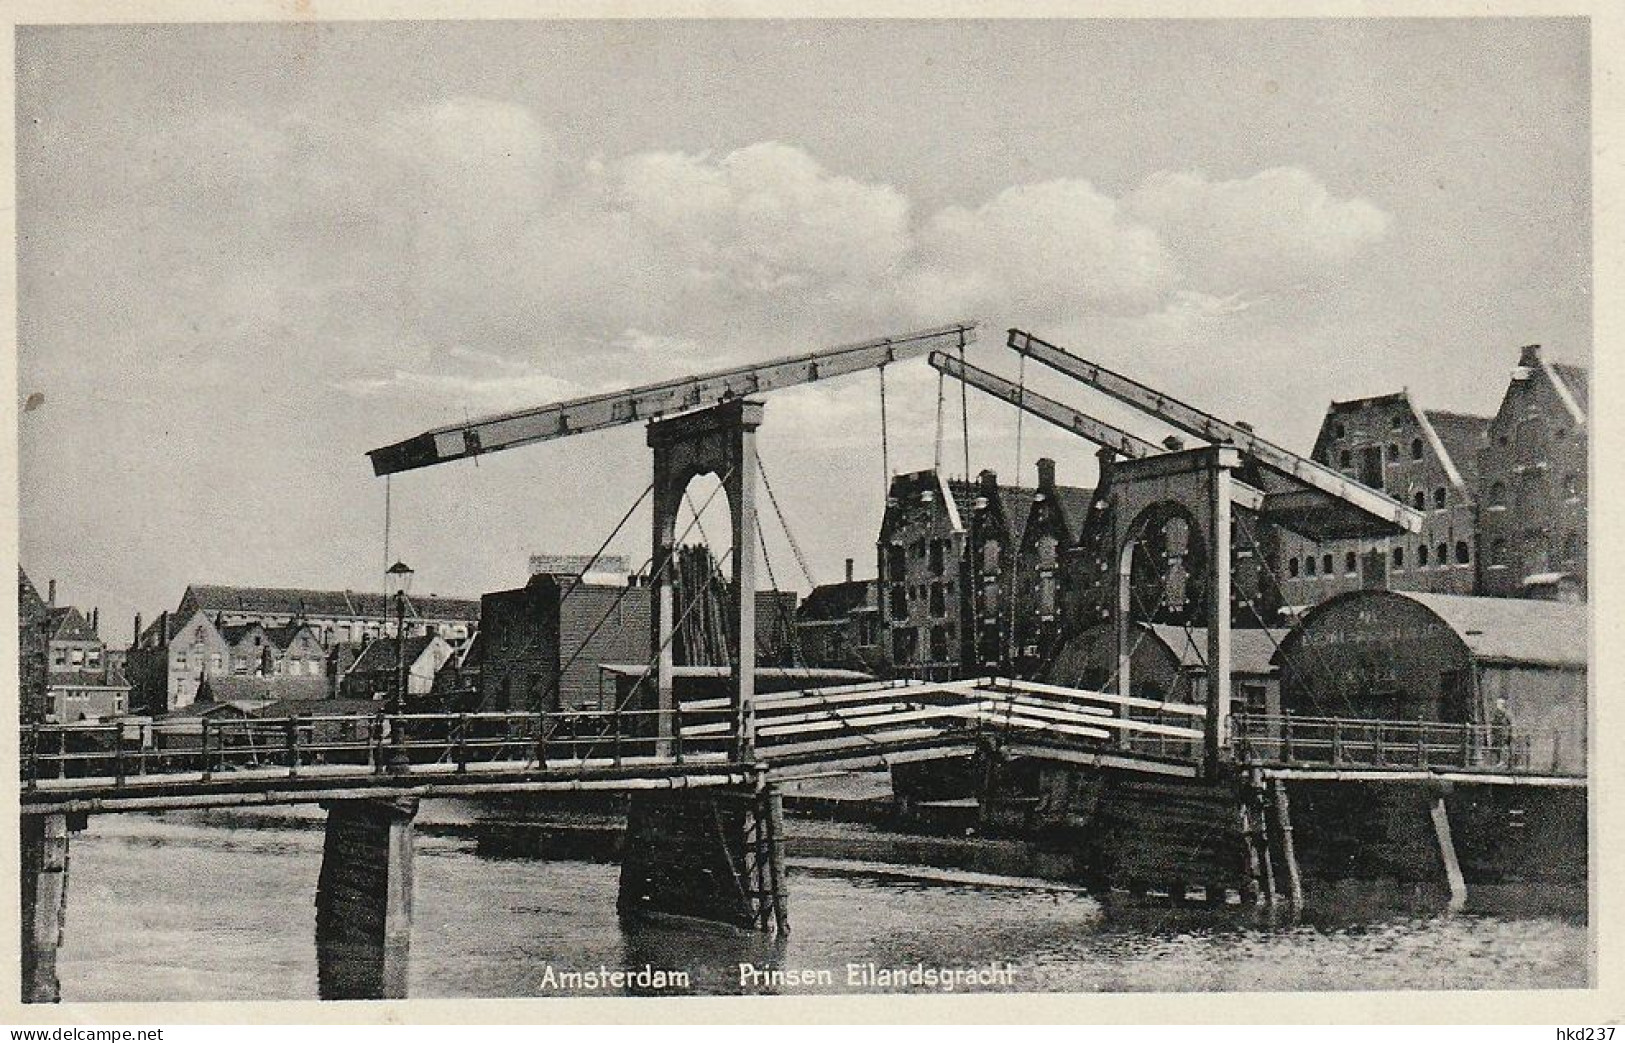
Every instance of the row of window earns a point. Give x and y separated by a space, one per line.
293 667
1532 490
76 658
1438 556
1345 459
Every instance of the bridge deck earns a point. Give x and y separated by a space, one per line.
206 763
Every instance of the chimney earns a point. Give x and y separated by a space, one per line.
988 480
1529 355
1046 474
849 570
1108 459
137 638
50 596
96 620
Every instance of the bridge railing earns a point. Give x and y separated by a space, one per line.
1292 740
207 748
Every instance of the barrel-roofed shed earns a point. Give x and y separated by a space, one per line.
1409 656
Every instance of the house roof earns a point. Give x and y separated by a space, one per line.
213 708
254 688
1578 380
1075 503
319 707
107 678
1504 630
298 602
834 601
1462 435
1516 630
1250 650
69 624
380 654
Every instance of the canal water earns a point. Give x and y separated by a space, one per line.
207 906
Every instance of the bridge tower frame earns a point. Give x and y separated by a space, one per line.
1201 482
720 440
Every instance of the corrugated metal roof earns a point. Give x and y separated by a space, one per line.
1514 630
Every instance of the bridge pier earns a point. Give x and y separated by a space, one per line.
364 899
44 864
713 856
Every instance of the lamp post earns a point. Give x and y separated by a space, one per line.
399 578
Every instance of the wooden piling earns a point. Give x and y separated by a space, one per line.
1440 814
1289 855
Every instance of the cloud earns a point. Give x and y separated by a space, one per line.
1268 231
1047 248
380 250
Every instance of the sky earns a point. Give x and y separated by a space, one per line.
248 254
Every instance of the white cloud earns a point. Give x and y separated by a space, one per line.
1043 249
462 223
1268 231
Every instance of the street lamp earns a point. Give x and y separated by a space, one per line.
399 581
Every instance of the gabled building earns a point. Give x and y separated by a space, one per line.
1533 518
925 576
375 675
1054 520
173 656
1427 460
65 671
33 650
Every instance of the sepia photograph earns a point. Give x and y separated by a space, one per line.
803 507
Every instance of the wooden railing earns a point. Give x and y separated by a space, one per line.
118 751
1340 742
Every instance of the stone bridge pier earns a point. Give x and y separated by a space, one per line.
44 865
364 899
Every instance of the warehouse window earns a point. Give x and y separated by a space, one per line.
1419 500
1351 563
1463 556
1399 557
1498 495
1498 553
1416 449
1393 452
1422 556
1292 567
1338 431
1309 565
1443 552
1326 564
1398 421
1345 459
1439 498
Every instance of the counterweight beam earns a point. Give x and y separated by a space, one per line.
1301 470
595 412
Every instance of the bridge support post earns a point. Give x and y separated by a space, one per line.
364 899
1440 814
709 856
44 862
721 441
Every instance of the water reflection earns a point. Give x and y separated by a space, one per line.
166 909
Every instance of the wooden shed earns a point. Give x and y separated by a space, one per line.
1385 655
